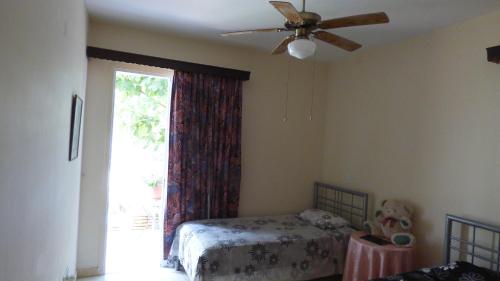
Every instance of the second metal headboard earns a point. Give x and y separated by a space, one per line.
349 204
475 249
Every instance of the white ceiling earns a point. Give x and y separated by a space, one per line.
208 18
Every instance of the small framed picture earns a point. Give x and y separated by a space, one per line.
76 120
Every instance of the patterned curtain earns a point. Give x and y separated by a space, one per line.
204 166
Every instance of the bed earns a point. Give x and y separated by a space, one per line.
471 253
271 248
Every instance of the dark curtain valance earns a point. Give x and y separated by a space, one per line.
494 54
100 53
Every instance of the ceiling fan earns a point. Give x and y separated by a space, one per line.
305 25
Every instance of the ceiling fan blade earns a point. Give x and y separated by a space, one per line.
282 46
366 19
336 40
243 32
287 10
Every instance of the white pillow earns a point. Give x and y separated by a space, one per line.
323 219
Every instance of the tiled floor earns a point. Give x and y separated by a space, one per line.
157 275
137 249
161 275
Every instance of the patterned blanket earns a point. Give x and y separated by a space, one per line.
263 248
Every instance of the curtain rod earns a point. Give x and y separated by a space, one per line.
107 54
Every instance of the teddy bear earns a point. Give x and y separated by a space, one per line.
393 221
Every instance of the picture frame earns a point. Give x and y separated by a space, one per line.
76 121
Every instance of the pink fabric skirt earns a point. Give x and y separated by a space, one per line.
366 260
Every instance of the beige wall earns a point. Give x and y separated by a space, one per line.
420 120
280 161
42 63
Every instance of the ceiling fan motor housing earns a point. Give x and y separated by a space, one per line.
310 20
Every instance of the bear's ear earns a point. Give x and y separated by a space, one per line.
383 203
408 210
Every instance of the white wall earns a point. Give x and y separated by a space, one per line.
420 120
278 159
42 63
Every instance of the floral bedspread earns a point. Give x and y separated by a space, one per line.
263 248
458 271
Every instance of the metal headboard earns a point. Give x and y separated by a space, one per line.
466 244
349 204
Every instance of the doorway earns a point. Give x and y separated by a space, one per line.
137 172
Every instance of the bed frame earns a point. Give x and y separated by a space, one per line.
349 204
466 244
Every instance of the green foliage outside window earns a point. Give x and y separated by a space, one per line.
143 107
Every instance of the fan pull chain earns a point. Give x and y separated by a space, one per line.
311 106
285 117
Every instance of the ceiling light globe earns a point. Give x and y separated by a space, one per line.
301 48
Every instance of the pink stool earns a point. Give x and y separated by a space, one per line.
366 260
